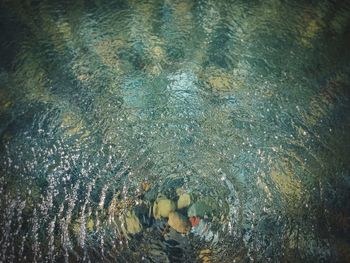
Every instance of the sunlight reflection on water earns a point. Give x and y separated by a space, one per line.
174 131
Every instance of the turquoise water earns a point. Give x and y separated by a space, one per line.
233 115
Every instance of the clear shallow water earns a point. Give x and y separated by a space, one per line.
243 105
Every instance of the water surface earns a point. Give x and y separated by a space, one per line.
243 105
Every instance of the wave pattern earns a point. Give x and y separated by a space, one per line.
107 106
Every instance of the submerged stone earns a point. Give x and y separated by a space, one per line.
219 82
194 220
146 186
162 207
133 225
90 224
183 201
179 222
201 209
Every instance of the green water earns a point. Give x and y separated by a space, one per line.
241 105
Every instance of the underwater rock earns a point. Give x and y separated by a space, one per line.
90 224
194 220
218 79
200 208
162 207
157 53
133 225
220 83
146 186
75 227
205 255
203 230
107 50
184 201
73 125
221 80
310 27
178 222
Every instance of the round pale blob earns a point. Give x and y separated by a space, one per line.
90 224
163 207
179 223
184 201
133 225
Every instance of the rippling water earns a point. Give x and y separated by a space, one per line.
242 106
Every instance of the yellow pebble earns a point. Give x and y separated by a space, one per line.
184 201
